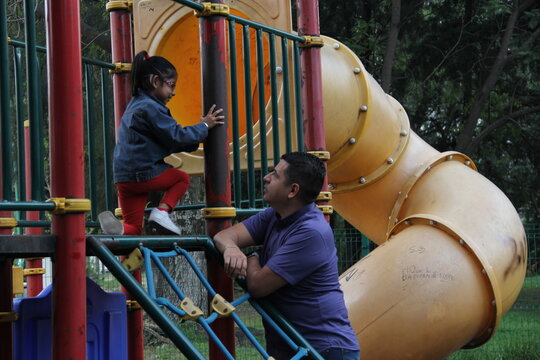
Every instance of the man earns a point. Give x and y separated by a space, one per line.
297 266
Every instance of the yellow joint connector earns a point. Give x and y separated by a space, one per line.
119 5
8 316
311 41
8 223
34 258
26 123
326 209
65 206
218 212
120 68
133 305
211 9
222 306
324 196
34 271
134 260
118 212
191 310
323 155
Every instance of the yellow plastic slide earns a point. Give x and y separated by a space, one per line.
452 249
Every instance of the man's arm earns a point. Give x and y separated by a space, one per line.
229 242
262 281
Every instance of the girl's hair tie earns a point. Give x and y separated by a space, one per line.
146 57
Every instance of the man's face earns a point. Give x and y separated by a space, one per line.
276 189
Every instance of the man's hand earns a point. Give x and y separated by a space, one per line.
235 262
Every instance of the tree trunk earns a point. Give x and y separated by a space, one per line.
393 32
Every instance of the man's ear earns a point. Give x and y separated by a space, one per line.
295 190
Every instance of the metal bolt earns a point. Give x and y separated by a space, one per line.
449 157
468 163
357 70
389 160
461 241
407 222
279 70
403 133
484 271
331 186
362 180
336 46
431 222
397 220
493 303
352 141
363 108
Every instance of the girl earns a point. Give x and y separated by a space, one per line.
147 134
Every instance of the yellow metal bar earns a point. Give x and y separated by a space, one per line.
18 280
8 223
64 205
34 271
211 9
119 5
120 68
311 41
218 212
8 316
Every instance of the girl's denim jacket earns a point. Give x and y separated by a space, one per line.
147 134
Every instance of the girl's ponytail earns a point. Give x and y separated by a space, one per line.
137 72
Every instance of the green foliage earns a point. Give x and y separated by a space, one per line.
446 52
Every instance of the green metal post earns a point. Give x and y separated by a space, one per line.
107 139
237 189
90 143
249 116
274 89
286 94
262 104
19 114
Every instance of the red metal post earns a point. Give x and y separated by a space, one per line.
216 159
310 58
64 73
121 48
34 282
122 53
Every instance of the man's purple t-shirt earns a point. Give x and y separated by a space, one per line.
300 248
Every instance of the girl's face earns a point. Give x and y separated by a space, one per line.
163 89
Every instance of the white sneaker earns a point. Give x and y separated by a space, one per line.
110 224
162 221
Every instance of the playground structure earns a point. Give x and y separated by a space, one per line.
452 252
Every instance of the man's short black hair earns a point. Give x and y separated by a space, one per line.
306 170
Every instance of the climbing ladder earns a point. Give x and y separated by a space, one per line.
187 310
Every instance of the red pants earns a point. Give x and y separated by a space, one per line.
132 196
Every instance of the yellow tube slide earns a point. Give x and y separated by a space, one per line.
452 252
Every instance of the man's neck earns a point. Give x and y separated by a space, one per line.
289 208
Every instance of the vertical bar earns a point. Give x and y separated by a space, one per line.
298 97
91 146
64 72
216 160
234 114
249 116
262 104
6 280
34 110
107 140
286 94
121 48
34 282
308 24
274 90
19 114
